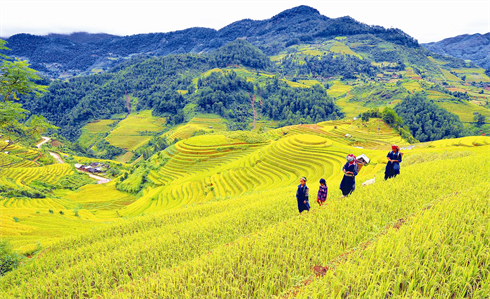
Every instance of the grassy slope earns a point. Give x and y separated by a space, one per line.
222 248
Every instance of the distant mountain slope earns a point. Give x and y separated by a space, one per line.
82 37
474 47
61 56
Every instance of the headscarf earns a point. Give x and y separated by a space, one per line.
303 178
351 159
395 148
322 181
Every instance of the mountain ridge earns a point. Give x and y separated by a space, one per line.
472 47
59 56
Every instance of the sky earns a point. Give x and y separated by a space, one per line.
425 20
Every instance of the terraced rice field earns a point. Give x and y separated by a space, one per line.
450 77
19 151
350 109
412 86
338 89
99 126
465 111
211 167
438 96
128 133
94 131
277 58
209 72
364 134
102 200
14 161
406 237
28 221
204 122
436 61
125 157
410 73
309 82
83 160
473 74
342 48
25 175
295 84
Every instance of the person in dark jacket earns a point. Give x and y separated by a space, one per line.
302 196
350 169
393 165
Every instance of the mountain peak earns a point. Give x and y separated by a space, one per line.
301 10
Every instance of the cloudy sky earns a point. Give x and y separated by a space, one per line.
426 20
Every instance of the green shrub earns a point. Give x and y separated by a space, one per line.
9 260
74 181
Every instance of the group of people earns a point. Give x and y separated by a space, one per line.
348 184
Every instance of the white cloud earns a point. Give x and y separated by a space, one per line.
429 20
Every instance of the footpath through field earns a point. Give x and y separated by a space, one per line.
45 139
100 180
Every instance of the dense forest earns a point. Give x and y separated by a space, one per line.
227 95
297 105
426 120
241 52
230 96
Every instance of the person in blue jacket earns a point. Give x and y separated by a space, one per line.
348 184
302 196
393 165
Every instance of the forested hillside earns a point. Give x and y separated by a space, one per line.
167 84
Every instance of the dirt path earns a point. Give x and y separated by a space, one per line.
54 155
45 139
100 180
57 157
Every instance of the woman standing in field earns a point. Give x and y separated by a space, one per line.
302 196
393 165
348 184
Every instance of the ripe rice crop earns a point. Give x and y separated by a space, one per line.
25 175
255 245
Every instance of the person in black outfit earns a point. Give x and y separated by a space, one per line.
350 169
393 165
302 196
